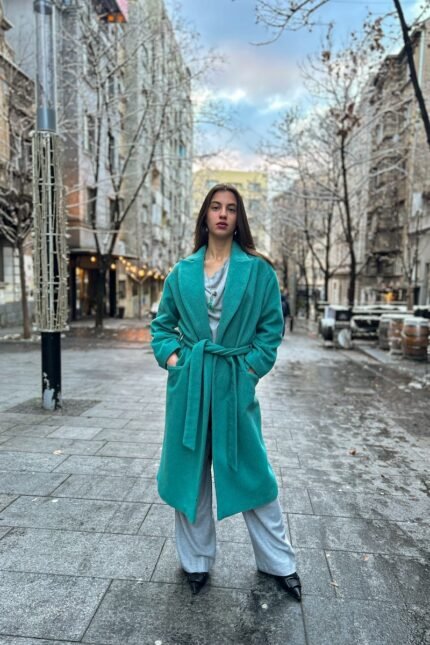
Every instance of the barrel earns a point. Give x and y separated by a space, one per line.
395 325
415 338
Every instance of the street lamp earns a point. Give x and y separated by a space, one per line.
50 255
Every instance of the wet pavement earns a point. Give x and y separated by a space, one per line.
86 545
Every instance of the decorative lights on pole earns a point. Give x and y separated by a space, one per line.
49 249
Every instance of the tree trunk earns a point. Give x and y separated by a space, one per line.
352 279
308 307
348 227
100 294
326 281
410 296
24 301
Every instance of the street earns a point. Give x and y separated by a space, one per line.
86 545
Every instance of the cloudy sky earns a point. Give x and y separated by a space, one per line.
258 82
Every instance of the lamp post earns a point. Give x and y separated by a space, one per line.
49 249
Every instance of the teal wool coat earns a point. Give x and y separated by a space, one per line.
214 378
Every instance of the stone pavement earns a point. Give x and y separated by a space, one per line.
86 548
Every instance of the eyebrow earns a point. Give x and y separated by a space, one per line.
214 201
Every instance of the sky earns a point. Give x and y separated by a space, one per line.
257 83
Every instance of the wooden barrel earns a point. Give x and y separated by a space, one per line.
415 338
395 325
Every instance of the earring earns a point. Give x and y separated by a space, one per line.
206 229
235 232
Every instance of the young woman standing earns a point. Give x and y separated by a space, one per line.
217 330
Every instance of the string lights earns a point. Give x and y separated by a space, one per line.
140 273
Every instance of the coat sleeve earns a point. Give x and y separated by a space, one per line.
164 332
268 335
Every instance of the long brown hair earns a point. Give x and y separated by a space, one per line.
243 235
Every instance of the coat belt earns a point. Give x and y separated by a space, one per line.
196 387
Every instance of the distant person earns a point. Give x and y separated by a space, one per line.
216 332
286 311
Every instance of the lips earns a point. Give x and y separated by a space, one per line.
221 225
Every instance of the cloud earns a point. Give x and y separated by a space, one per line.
276 103
231 159
259 71
204 95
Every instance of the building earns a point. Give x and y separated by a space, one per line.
16 122
127 139
159 88
253 186
396 257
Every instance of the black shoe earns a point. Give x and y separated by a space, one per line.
197 580
291 584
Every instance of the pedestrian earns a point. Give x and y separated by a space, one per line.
217 331
286 312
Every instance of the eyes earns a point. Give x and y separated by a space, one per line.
231 208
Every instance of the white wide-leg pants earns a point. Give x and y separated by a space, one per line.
196 543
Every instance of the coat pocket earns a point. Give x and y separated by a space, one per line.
244 368
183 361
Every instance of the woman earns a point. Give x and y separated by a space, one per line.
217 330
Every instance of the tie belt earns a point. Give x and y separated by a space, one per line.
196 387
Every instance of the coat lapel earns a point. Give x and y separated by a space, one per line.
191 286
237 281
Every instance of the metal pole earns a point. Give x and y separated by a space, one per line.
50 261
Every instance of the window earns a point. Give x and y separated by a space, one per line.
254 205
1 263
379 133
182 151
256 187
112 152
91 205
115 215
28 155
111 85
89 64
90 133
112 211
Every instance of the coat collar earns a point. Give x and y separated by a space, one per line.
191 285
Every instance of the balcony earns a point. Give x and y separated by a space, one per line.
111 10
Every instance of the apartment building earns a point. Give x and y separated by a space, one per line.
396 257
127 148
159 86
16 122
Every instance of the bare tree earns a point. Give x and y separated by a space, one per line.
281 15
134 124
329 151
301 150
15 189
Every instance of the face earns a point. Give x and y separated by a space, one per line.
222 214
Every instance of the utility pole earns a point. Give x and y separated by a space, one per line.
50 256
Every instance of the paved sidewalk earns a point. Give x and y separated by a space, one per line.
86 548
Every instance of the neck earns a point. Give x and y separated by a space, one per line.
218 249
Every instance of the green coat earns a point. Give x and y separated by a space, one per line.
215 376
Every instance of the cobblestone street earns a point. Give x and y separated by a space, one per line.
86 545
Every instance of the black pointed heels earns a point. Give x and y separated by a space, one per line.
197 580
291 584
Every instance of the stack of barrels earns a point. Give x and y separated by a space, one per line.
405 335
